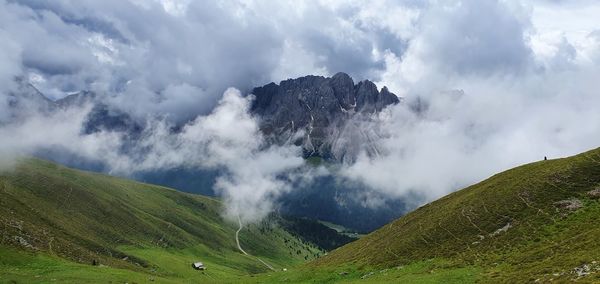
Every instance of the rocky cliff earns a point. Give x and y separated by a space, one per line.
323 115
319 113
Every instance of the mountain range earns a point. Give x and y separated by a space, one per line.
312 111
534 223
317 113
322 115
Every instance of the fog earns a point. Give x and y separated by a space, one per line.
486 86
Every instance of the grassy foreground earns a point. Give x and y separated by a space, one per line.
63 225
534 223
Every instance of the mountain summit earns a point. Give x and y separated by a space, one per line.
314 111
329 118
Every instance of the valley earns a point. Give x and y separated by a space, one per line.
256 141
70 225
537 221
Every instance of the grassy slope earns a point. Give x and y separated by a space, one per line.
55 221
457 238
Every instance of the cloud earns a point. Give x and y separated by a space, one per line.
60 130
462 137
228 139
479 100
487 84
252 174
146 49
9 68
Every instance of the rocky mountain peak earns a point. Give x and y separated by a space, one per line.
319 107
314 112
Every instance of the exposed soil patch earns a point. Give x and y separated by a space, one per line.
594 193
569 204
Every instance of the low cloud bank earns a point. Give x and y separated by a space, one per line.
485 91
253 174
434 145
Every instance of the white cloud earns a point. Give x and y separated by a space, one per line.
77 45
527 70
493 93
492 124
228 139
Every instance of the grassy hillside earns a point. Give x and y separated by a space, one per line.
537 222
534 223
55 223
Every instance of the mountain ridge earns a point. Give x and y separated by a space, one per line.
533 223
72 220
318 113
336 137
319 109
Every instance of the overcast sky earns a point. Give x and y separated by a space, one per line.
180 55
505 82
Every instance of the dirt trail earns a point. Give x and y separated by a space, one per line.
237 240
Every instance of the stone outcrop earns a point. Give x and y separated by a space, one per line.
314 111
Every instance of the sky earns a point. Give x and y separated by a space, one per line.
498 83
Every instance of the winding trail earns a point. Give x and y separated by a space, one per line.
237 237
237 240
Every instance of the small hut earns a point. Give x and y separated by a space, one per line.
198 266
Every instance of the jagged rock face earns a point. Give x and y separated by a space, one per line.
323 115
315 112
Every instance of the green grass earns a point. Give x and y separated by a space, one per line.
429 271
17 266
55 222
506 229
543 242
